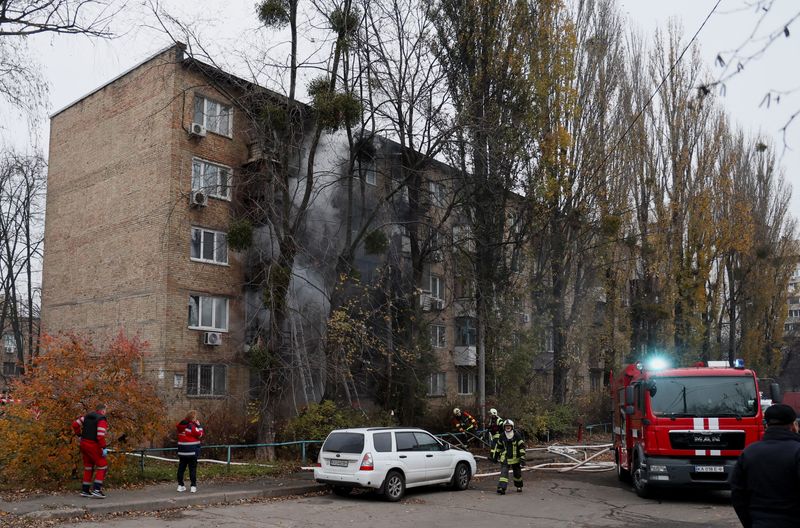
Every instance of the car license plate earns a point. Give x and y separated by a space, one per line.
709 469
340 463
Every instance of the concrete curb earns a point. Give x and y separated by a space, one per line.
100 507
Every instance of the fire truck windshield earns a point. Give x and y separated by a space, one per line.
703 396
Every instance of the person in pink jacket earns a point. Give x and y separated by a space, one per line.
189 434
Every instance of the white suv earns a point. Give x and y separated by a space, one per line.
390 459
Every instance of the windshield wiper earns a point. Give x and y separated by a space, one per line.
677 415
738 416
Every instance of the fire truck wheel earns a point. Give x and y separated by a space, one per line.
622 473
639 484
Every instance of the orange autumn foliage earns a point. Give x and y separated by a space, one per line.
68 379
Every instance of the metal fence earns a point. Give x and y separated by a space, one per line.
145 453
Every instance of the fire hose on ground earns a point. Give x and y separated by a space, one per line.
573 453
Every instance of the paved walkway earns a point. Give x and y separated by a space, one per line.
158 497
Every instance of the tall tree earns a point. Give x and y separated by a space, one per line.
483 47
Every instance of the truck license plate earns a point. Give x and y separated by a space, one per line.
341 463
709 469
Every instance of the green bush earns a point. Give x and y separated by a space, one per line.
544 419
318 419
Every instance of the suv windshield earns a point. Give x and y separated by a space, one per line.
344 443
704 396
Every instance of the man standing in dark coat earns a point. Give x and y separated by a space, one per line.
765 485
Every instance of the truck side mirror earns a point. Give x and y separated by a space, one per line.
775 393
629 409
651 387
629 395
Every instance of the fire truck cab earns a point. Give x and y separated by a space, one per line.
683 426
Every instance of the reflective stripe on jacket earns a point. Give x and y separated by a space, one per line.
189 435
508 451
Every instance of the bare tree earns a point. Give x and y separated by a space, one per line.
22 180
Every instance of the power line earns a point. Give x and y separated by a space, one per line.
658 88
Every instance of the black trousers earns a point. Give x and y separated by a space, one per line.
191 463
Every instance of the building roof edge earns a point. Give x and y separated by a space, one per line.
177 46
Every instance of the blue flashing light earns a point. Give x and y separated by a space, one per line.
657 363
738 363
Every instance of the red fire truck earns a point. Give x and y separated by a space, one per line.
684 426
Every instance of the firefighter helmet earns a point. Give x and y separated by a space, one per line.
456 411
493 412
508 423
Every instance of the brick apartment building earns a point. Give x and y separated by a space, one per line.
126 247
130 244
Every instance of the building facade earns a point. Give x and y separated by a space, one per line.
147 174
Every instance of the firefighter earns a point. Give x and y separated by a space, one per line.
494 425
509 451
92 429
464 422
766 478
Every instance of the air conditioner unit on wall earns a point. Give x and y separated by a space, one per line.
212 338
425 301
197 130
437 304
198 199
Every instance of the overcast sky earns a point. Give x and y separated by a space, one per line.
74 66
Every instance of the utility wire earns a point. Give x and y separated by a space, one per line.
658 88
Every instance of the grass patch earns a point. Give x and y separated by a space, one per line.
126 472
130 472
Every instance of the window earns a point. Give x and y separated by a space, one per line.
462 238
426 442
438 336
595 380
213 115
436 384
205 380
382 442
437 287
211 178
794 313
208 313
9 344
466 382
405 441
209 246
11 369
438 194
366 170
344 443
466 334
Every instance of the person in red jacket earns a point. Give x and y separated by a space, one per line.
189 434
92 429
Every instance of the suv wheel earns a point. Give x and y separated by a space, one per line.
461 477
394 487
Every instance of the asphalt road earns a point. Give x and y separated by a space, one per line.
548 500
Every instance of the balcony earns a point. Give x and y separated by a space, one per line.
465 356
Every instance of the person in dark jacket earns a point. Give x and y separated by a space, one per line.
189 434
509 451
495 426
765 484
